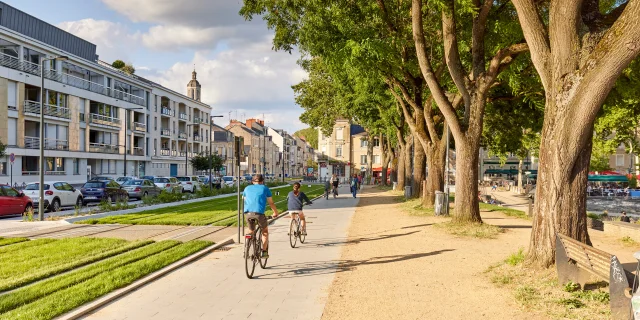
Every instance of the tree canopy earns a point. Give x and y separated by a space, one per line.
310 135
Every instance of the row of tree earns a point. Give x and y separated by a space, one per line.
510 75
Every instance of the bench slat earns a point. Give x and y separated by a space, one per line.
595 261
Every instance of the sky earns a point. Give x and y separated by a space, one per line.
164 40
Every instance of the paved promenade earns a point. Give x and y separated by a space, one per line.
294 285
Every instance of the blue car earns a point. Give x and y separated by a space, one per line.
97 191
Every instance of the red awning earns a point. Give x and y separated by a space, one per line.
379 169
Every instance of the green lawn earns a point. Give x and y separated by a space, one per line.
62 293
218 212
8 241
507 211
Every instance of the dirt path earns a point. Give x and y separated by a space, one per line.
404 268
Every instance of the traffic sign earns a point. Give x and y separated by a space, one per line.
12 157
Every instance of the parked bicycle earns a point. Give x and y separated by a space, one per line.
253 251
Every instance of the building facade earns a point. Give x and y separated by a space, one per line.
95 115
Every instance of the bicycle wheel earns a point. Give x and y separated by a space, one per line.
263 261
293 232
249 257
301 235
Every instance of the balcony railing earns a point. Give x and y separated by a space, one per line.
33 108
138 151
127 97
198 120
182 135
165 132
103 148
104 120
184 154
48 173
14 63
197 138
183 116
167 112
168 153
49 144
138 126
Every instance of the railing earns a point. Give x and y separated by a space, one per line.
183 116
14 63
103 148
127 97
48 173
198 120
138 151
76 82
165 152
49 144
197 138
168 112
138 126
33 107
104 120
182 135
165 132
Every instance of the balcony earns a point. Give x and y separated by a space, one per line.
49 144
139 127
183 116
165 132
167 112
33 108
182 135
168 153
197 138
14 63
46 173
95 118
197 120
138 151
103 148
184 154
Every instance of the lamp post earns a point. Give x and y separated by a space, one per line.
42 97
126 135
211 136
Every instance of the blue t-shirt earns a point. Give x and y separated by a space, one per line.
255 198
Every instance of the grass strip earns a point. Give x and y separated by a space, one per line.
8 241
46 287
21 246
507 211
19 277
63 301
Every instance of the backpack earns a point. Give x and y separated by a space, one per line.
353 183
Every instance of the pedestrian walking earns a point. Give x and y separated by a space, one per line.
354 185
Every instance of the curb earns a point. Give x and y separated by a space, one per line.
96 304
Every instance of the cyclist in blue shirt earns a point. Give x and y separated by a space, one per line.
256 197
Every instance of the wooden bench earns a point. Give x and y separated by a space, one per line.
579 262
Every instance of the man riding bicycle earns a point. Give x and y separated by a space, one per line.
295 200
256 197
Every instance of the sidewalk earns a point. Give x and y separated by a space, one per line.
295 284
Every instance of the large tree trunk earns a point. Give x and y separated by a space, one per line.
419 172
561 204
407 163
400 172
384 158
435 176
466 201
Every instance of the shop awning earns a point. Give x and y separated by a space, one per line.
501 171
608 178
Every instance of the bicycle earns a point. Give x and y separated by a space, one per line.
253 251
295 230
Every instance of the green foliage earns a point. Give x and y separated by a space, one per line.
633 182
571 287
167 197
516 258
118 64
3 149
571 303
129 69
594 216
200 162
310 135
8 241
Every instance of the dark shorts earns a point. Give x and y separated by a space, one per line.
262 220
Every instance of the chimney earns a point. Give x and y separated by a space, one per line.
250 122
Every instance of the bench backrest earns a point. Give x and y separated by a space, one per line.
593 260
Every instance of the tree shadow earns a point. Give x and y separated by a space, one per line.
337 242
418 226
315 268
514 227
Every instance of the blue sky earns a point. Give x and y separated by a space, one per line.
163 39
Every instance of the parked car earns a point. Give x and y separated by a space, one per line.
148 178
169 184
100 178
122 180
228 181
96 191
190 184
13 201
139 188
57 194
203 179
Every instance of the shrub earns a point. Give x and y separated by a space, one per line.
104 206
167 197
150 200
516 258
594 216
633 182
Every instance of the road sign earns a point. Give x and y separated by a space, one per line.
12 157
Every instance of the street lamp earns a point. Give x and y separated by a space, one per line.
211 136
126 136
42 97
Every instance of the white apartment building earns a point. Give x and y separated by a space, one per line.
95 115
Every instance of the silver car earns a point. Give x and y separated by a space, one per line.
168 184
141 188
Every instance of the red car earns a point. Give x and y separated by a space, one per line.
13 201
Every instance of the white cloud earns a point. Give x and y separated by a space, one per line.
113 40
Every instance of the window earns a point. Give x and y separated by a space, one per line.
155 123
82 117
376 142
376 159
10 192
364 143
363 159
76 166
619 160
3 168
339 135
339 151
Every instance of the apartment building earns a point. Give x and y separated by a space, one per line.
95 115
286 145
261 153
222 145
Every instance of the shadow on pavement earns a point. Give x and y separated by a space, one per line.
325 267
334 242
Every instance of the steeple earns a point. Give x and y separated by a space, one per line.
193 87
